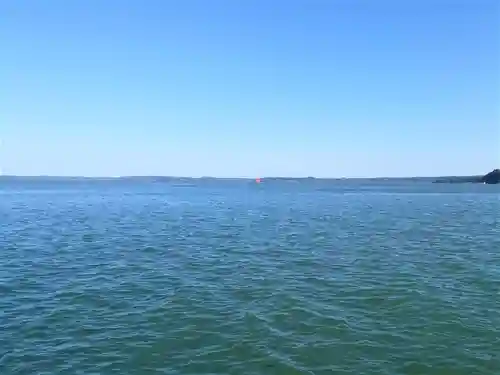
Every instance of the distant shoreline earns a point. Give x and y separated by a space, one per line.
435 179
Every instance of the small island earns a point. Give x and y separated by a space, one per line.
492 177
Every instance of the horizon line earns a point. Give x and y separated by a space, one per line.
233 178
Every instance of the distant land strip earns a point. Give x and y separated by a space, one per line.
492 177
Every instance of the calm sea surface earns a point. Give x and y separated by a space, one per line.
231 277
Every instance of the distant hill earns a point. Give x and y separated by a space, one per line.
492 177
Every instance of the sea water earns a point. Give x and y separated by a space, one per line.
233 277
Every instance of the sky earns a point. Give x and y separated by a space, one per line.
247 88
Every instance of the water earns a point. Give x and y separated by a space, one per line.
230 277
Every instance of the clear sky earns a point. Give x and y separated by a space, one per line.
250 87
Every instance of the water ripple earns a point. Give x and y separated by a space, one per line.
233 279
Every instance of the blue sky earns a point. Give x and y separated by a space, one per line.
250 87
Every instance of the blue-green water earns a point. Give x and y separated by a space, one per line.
231 277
